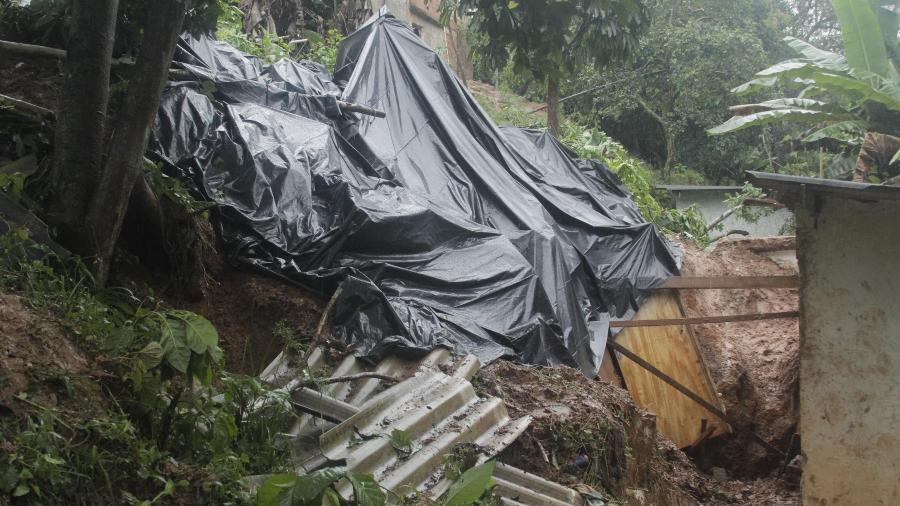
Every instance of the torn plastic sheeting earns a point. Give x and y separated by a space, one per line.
445 230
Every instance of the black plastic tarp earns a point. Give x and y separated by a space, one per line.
443 229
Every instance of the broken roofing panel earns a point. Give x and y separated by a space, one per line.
434 404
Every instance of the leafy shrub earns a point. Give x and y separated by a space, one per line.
639 179
177 423
324 49
230 29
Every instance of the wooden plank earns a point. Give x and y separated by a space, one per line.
703 319
692 396
673 351
716 282
608 371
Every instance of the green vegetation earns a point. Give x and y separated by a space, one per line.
551 39
230 29
842 97
660 104
166 419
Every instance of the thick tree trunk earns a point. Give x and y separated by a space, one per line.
553 105
81 115
668 136
123 166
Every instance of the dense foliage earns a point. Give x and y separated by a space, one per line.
677 87
551 39
160 418
842 97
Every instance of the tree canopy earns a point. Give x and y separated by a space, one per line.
551 39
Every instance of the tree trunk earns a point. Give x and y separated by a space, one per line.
81 115
667 135
553 105
123 166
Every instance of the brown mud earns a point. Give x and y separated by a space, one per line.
755 365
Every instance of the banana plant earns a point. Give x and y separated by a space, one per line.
843 96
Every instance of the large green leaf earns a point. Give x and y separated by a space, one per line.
276 490
365 490
800 103
858 86
826 59
761 118
863 41
199 334
858 90
850 131
888 14
177 352
293 490
471 485
795 72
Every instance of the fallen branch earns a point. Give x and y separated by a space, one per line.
320 328
726 234
691 395
32 50
761 202
344 379
361 109
26 106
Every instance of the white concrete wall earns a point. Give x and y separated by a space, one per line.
712 205
850 352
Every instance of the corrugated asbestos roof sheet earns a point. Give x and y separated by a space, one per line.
434 403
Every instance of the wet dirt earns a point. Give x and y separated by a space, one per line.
755 365
589 432
246 308
39 362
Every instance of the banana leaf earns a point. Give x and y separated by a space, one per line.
736 123
863 40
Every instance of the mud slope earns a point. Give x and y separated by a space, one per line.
755 364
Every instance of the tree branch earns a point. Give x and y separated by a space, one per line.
26 106
344 379
32 50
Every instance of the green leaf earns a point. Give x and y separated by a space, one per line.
199 334
178 355
53 460
471 485
365 490
863 41
272 490
850 131
896 158
21 490
800 103
331 498
401 441
820 57
151 355
311 486
512 4
736 123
